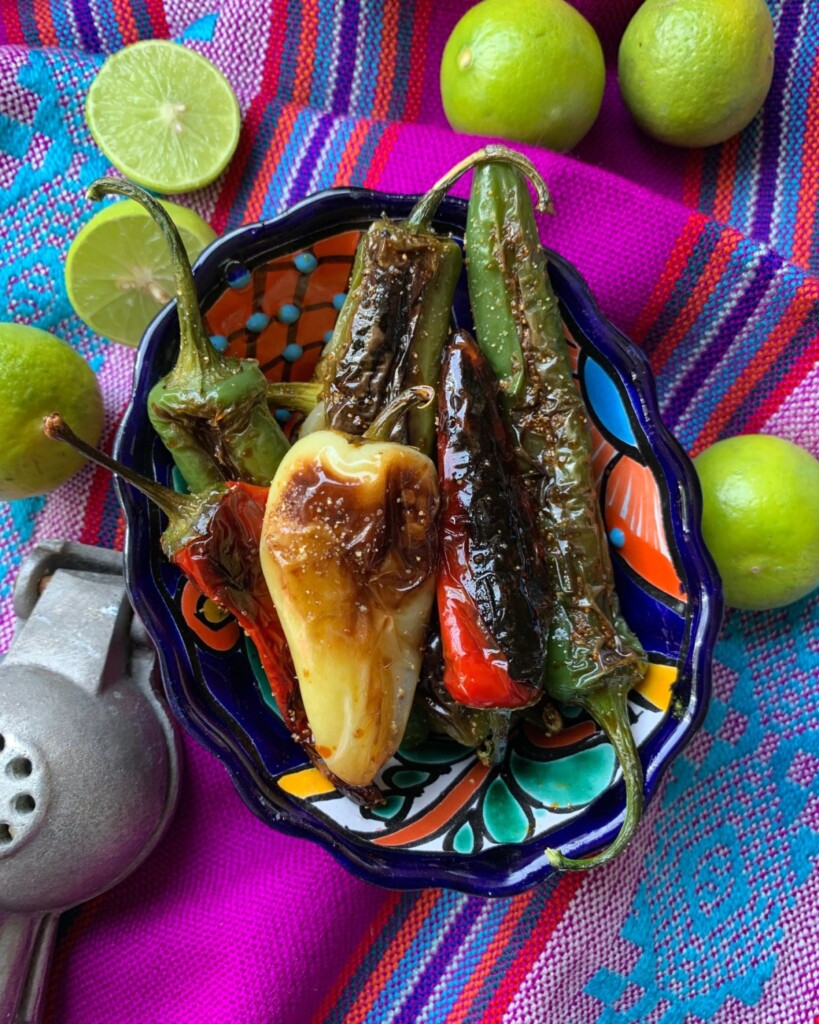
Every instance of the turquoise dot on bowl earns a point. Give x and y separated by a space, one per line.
339 299
292 352
257 322
282 415
237 276
288 313
617 537
328 337
219 342
305 262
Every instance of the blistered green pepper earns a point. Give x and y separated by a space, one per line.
397 315
593 658
210 410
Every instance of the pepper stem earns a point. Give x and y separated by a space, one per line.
300 396
175 506
610 710
424 210
195 348
381 427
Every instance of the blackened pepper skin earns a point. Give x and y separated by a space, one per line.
493 589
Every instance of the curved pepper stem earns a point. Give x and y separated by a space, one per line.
195 348
424 210
610 710
382 426
182 510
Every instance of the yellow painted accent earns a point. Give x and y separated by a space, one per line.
657 683
212 612
305 783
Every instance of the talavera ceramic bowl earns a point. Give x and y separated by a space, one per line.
448 820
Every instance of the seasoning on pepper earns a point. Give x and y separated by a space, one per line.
210 410
395 320
493 590
349 551
594 659
214 539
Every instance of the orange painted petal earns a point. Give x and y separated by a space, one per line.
633 506
438 815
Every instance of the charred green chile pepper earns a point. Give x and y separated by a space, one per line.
211 410
396 318
594 659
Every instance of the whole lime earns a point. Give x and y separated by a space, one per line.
527 70
761 518
695 72
40 374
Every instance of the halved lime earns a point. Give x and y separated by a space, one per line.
118 271
164 116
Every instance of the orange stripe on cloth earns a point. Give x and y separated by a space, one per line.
392 956
125 21
45 25
726 176
707 282
386 65
809 183
388 908
275 151
305 61
438 815
800 308
382 154
676 262
351 151
481 971
556 903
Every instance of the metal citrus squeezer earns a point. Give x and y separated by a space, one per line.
89 758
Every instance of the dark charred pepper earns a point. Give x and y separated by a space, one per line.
594 659
214 538
211 410
493 590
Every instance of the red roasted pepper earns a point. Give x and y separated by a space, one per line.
492 591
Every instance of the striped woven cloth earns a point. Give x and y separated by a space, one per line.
710 260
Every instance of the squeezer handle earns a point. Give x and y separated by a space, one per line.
26 946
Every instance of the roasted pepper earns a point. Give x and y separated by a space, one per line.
493 590
396 318
594 659
214 538
349 551
436 712
210 410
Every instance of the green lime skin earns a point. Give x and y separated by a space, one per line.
39 374
527 70
695 72
761 519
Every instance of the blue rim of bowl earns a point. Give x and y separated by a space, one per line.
498 871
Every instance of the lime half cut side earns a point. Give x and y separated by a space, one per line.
118 271
164 116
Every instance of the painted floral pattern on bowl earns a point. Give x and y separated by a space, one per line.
273 291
